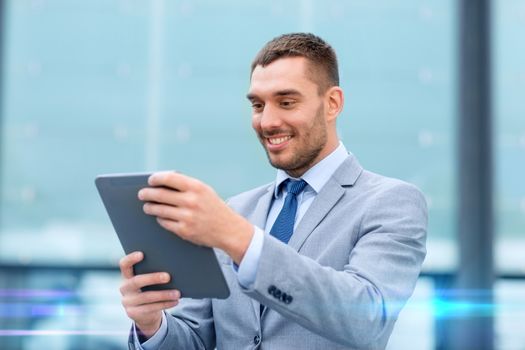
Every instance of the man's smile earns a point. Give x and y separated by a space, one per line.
277 143
278 140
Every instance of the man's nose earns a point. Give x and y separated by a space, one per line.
270 118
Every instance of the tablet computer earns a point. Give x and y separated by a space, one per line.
194 270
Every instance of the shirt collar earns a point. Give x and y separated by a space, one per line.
318 175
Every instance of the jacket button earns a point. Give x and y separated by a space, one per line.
288 299
271 290
277 294
284 297
256 340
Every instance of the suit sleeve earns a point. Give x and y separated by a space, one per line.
154 341
190 326
357 305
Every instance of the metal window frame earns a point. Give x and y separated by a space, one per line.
474 282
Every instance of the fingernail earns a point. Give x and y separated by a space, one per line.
151 178
165 277
138 255
140 194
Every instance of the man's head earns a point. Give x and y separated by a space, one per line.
295 101
322 60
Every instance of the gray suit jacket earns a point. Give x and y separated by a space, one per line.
340 283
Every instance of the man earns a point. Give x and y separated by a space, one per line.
358 242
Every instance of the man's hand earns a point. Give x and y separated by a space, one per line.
145 308
193 211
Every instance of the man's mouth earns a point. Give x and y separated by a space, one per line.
278 140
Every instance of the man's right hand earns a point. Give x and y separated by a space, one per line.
145 308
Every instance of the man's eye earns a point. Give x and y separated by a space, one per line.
257 106
287 104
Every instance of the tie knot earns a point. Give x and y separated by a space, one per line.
295 186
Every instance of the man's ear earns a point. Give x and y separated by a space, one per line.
334 102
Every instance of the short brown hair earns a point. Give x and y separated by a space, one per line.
321 55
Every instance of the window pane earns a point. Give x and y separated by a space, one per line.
510 313
74 101
509 114
62 309
134 86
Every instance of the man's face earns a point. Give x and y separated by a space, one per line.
288 115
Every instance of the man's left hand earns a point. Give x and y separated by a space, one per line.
193 211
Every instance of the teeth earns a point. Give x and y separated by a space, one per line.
279 140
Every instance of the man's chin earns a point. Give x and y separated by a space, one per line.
282 165
278 164
275 164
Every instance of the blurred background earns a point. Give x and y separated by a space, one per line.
103 86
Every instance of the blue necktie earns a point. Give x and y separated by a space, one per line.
282 228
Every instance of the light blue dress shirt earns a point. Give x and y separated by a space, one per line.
316 177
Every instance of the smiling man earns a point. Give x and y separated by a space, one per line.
324 257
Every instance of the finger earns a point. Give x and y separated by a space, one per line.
161 195
171 179
150 297
137 282
163 211
127 262
139 311
170 225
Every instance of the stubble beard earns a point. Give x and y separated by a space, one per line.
311 144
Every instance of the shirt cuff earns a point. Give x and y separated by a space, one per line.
157 338
247 270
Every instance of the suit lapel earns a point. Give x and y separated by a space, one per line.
260 213
258 218
345 175
320 207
